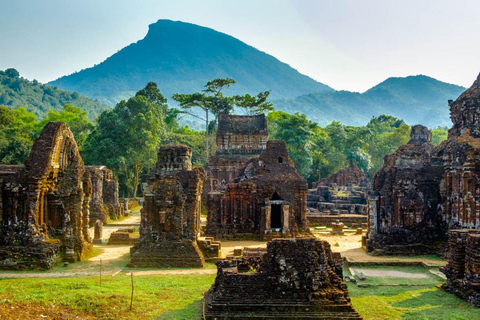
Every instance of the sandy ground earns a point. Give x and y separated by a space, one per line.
114 257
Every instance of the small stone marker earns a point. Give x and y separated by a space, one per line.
361 276
98 234
337 227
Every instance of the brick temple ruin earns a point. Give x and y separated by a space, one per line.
296 279
422 191
463 268
403 208
349 176
239 139
268 198
45 204
104 203
170 218
344 192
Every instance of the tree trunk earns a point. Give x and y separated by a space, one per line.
206 135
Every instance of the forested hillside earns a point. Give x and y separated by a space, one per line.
39 99
415 99
182 57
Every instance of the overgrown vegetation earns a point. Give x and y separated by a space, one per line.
125 138
40 99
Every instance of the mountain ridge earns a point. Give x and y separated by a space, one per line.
415 99
182 57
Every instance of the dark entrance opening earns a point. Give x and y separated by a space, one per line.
276 217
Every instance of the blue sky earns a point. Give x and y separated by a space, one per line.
347 44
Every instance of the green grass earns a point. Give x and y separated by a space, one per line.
403 298
164 296
169 297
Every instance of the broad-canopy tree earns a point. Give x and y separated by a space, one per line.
126 137
211 100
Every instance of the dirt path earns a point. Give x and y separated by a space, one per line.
114 272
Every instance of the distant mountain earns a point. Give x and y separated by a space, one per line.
38 98
182 57
415 99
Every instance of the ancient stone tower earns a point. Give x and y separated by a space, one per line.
104 203
45 204
402 208
268 198
460 155
170 219
421 192
239 139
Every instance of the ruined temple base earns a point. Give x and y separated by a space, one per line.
40 256
379 248
167 254
296 279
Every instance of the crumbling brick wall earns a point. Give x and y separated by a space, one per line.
463 268
422 191
351 175
269 195
238 139
298 278
43 215
403 206
104 203
170 218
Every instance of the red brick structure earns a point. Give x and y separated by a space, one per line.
296 279
348 176
268 197
421 192
170 218
239 139
45 204
104 203
403 208
463 268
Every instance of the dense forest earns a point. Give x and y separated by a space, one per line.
39 99
125 138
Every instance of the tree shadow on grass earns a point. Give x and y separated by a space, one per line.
437 304
191 312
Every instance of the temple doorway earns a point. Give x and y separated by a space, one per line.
276 211
276 218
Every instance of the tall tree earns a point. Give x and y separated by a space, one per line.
253 105
210 100
126 137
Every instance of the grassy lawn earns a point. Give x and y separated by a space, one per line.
404 298
179 297
164 296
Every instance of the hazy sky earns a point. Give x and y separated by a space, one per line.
349 45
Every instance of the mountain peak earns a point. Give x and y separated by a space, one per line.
182 57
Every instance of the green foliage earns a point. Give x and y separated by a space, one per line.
17 128
126 137
296 130
439 134
76 120
39 99
416 99
253 105
319 152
